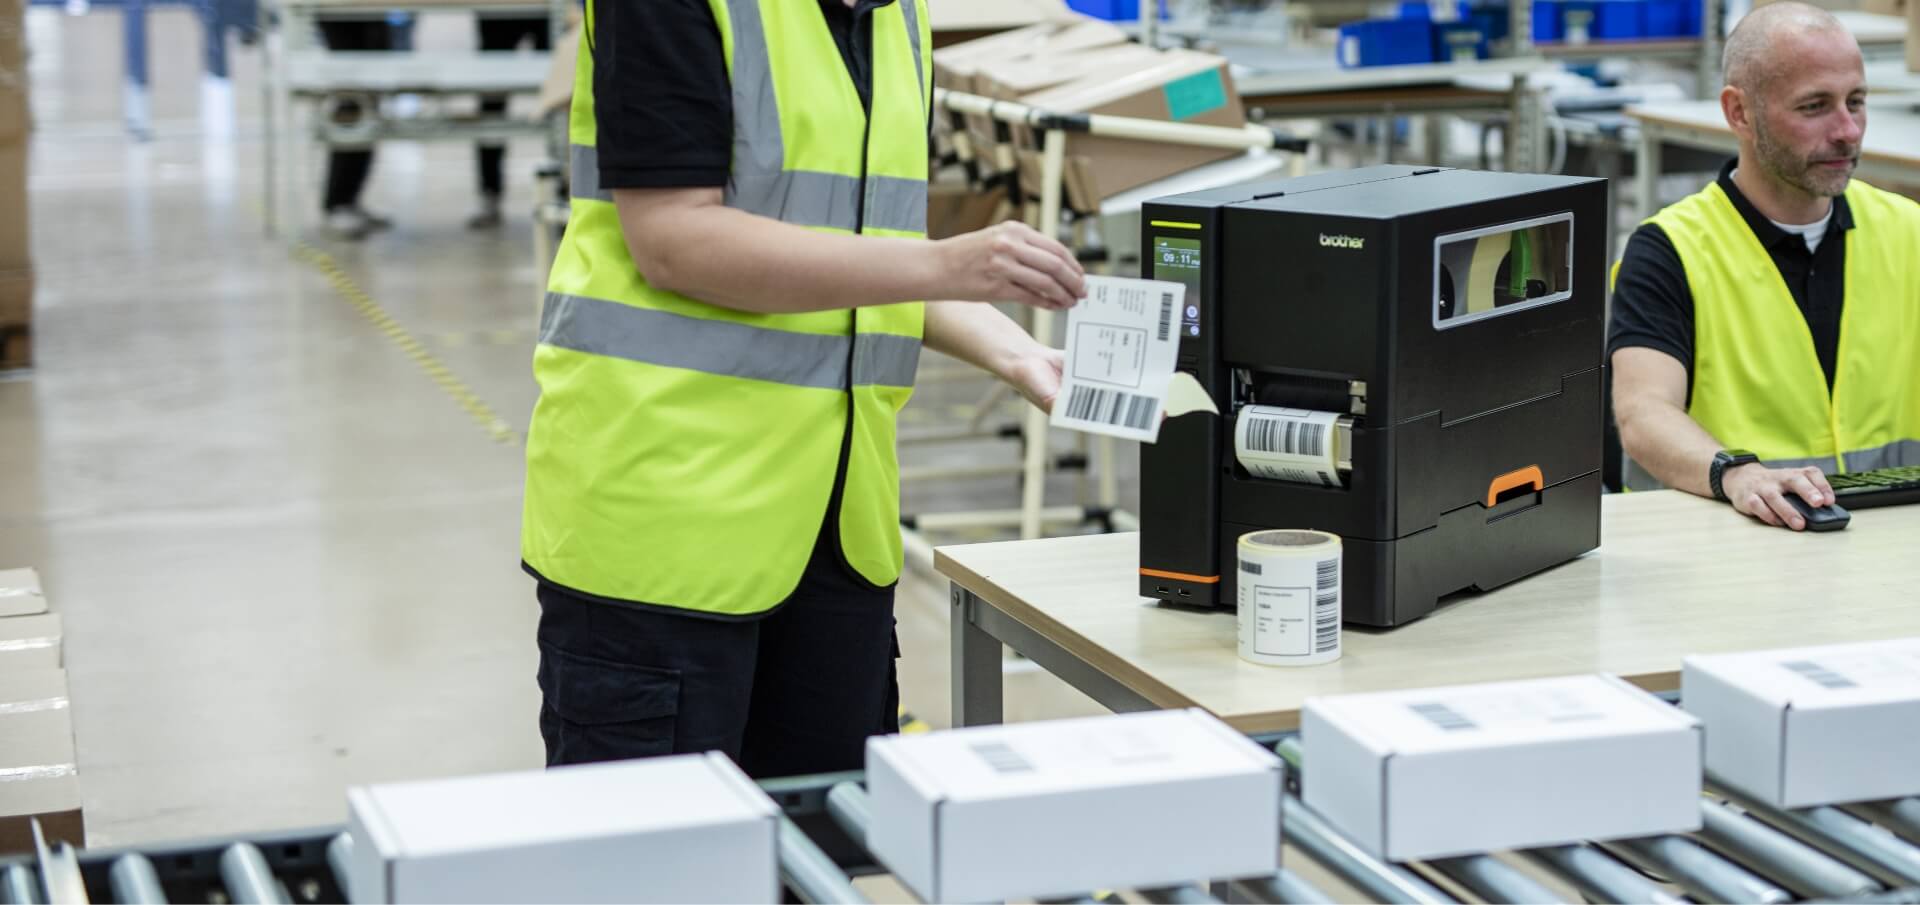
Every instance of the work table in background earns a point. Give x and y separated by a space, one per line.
1675 575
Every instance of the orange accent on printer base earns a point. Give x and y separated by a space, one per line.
1181 576
1529 475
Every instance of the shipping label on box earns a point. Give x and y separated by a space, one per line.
1064 807
689 828
38 777
1811 726
30 642
20 593
1438 772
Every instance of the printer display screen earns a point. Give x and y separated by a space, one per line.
1498 270
1178 261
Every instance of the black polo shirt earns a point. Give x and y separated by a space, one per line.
1653 305
662 99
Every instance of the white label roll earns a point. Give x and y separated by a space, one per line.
1282 444
1289 599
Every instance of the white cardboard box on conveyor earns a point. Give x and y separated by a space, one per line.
1069 806
691 828
1812 725
1435 772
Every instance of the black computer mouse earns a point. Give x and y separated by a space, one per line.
1824 518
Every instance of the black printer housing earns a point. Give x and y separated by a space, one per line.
1319 293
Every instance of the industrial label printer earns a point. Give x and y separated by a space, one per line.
1407 357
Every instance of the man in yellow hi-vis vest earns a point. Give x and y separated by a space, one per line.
1766 331
732 324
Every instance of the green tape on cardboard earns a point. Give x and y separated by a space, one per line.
1196 95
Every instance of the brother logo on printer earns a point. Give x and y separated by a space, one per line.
1341 241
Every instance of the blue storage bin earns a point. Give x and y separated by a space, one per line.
1619 20
1666 18
1491 22
1549 21
1691 14
1114 10
1385 42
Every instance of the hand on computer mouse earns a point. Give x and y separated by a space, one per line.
1763 492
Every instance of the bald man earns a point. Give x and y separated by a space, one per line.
1766 330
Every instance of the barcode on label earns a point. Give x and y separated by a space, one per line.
1291 437
1002 758
1166 315
1443 716
1110 407
1296 475
1326 606
1820 675
1251 568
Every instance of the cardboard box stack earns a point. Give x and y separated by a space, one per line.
16 267
37 761
1913 43
1084 65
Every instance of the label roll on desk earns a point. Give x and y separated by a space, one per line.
1407 358
1289 598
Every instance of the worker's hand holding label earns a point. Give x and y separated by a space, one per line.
1121 344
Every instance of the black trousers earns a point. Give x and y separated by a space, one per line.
503 34
797 691
347 169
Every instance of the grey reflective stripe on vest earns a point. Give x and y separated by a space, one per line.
894 203
599 327
583 177
1826 464
1891 455
760 183
910 12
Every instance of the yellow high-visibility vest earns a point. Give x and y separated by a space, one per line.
684 454
1757 381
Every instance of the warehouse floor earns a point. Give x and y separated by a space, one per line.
285 554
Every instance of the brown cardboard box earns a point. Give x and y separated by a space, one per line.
1023 76
16 348
15 237
956 209
37 757
1185 87
20 593
30 642
958 21
955 65
16 298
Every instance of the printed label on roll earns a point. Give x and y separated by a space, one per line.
1289 598
1284 444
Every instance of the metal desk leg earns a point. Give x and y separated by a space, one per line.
1646 175
976 666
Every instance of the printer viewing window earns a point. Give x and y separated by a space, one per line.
1498 270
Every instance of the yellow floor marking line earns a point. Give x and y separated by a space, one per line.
436 370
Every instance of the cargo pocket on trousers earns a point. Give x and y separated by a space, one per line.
599 710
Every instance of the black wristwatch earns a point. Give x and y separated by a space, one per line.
1723 460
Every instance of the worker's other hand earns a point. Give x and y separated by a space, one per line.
1037 376
1010 262
1761 492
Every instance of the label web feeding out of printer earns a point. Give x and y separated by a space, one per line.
1120 358
1283 444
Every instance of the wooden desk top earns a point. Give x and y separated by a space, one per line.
1675 575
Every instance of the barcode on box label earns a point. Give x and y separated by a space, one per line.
1820 675
1326 606
1294 438
1002 758
1110 407
1166 316
1443 716
1251 568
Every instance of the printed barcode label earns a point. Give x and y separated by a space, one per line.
1251 568
1296 475
1002 758
1166 315
1443 716
1290 437
1110 407
1820 675
1326 606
